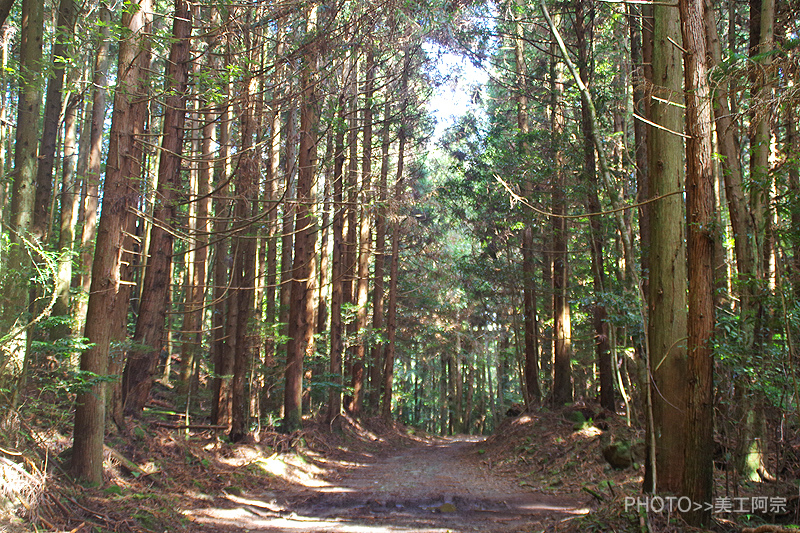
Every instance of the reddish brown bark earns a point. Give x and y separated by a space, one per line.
698 467
108 302
364 243
137 378
301 318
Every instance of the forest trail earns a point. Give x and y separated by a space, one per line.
435 485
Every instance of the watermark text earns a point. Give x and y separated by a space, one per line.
726 504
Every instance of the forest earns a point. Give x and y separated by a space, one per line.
243 208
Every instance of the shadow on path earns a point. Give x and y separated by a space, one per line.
438 486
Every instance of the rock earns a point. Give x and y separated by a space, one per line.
447 508
618 455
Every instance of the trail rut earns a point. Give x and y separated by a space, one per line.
437 486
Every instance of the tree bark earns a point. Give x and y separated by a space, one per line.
244 258
562 325
596 238
108 303
5 10
302 304
667 282
394 268
94 156
378 289
337 270
70 196
16 288
364 242
288 219
67 14
350 271
698 463
148 338
533 393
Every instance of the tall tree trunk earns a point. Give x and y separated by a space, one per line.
748 455
302 304
148 338
350 272
378 288
364 241
326 183
273 186
337 270
67 14
70 197
667 300
108 304
596 238
641 58
244 260
698 466
533 393
792 147
94 157
220 317
562 328
15 317
394 269
288 221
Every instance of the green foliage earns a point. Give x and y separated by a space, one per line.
81 381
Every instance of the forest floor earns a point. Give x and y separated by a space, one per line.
539 472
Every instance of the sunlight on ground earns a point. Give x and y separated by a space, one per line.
292 468
244 518
589 432
543 507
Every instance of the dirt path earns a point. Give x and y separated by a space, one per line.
437 486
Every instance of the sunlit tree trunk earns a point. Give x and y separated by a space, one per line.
533 393
149 337
67 13
5 138
562 325
364 241
220 321
302 302
69 200
288 219
94 156
391 304
324 189
108 304
15 315
350 266
273 186
337 274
